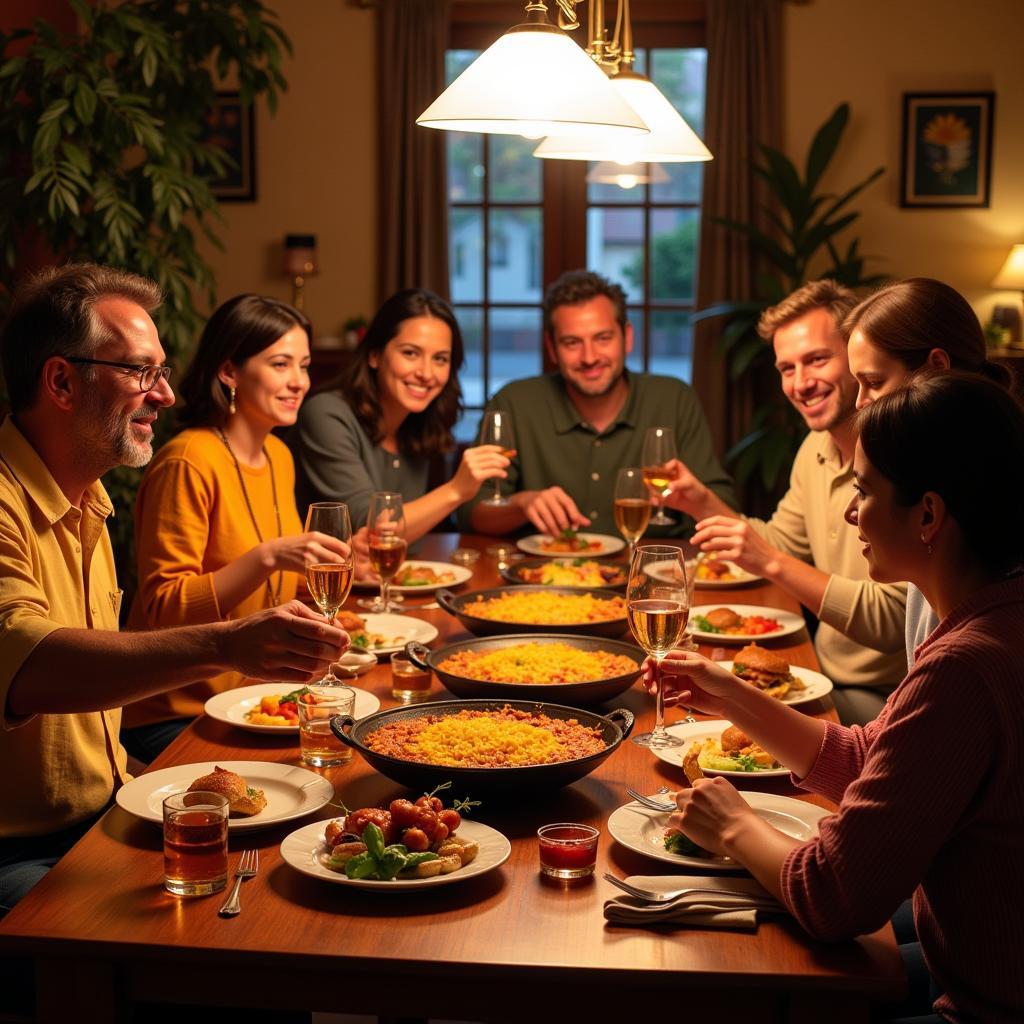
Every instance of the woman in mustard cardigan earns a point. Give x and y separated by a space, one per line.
217 532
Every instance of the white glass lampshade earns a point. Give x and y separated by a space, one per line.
671 139
626 176
1011 276
533 81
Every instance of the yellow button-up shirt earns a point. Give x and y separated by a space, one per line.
56 570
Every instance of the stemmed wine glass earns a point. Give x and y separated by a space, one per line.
330 582
658 607
632 505
659 450
496 428
385 528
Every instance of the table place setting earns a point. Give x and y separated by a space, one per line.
703 901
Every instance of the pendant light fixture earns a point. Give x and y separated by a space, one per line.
627 176
534 81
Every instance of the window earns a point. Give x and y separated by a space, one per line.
516 222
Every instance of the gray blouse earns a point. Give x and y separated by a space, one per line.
336 461
921 620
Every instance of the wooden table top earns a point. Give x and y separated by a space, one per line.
489 947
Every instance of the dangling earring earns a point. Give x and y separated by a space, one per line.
926 544
231 404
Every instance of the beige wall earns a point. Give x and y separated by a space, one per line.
869 53
315 169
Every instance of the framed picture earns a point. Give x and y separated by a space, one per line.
230 126
947 149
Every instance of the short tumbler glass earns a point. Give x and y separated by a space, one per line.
319 746
410 684
195 843
567 850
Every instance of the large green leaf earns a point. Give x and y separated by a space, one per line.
824 145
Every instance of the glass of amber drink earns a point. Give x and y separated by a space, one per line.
410 684
195 843
319 747
330 582
385 528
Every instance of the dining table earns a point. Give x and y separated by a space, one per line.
101 931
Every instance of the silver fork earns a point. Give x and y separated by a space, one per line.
654 805
248 865
648 896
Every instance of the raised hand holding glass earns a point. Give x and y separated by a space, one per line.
330 582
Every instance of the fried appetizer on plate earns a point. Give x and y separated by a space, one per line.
242 798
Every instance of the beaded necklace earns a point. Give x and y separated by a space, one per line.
274 596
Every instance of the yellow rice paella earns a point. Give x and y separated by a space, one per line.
540 609
538 663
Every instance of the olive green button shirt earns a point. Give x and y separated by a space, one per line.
555 446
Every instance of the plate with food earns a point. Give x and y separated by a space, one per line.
722 749
404 847
739 623
422 577
770 672
716 574
571 542
271 707
567 572
384 633
261 793
646 831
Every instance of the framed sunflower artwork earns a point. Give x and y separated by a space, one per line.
947 149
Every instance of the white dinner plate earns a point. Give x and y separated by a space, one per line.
233 705
306 851
789 621
815 684
642 830
742 578
459 576
291 792
533 545
397 630
698 732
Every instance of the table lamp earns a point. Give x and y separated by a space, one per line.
299 263
1010 277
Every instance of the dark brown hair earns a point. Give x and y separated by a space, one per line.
422 434
52 315
908 319
824 294
960 435
237 330
578 286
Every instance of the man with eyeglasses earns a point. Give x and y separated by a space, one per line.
86 380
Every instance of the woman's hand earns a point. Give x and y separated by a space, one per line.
736 541
695 681
295 553
712 814
477 465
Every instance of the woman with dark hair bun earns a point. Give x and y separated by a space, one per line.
217 532
916 324
931 793
391 410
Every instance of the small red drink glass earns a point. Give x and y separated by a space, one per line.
195 843
567 850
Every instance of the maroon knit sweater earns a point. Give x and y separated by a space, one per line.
931 802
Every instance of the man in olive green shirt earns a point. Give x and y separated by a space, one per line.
576 428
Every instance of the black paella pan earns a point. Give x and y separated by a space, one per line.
614 727
591 692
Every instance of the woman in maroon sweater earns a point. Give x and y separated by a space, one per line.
930 794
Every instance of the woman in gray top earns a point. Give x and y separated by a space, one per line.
915 325
391 410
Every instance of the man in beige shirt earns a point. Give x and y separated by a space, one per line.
806 547
84 372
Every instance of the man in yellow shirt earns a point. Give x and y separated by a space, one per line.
83 366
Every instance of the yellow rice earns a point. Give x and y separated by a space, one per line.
538 663
541 609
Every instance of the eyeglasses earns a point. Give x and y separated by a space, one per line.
148 373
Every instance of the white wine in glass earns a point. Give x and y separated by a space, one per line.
385 528
659 450
330 582
496 428
632 505
657 607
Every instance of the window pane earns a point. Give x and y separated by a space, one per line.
465 167
515 345
466 254
673 254
471 376
635 359
681 75
672 345
514 255
455 62
601 192
615 247
515 172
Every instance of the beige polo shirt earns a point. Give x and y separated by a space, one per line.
56 570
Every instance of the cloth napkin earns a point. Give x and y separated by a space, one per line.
737 911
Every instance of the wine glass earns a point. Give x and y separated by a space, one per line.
330 582
659 450
496 428
385 528
632 505
658 607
